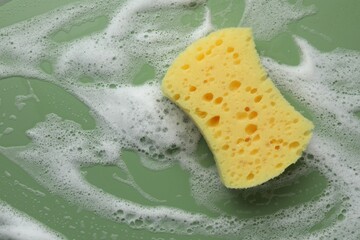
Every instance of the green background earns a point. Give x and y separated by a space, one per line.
336 19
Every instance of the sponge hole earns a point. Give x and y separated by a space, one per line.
254 90
234 85
253 115
257 137
257 99
225 107
218 42
294 144
254 151
192 88
250 176
218 100
214 121
279 165
185 66
176 97
241 115
240 140
225 147
200 113
208 97
230 49
250 128
200 57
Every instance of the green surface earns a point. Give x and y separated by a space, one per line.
337 20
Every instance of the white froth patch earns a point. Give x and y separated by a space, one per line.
112 55
271 17
119 26
23 46
18 226
143 117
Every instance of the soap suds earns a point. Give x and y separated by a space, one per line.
139 118
269 18
17 226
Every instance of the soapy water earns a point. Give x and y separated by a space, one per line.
139 118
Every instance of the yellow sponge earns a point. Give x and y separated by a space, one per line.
253 132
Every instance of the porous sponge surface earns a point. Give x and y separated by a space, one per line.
253 132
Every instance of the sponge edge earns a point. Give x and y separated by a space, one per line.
253 132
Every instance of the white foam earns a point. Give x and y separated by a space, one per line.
15 225
139 118
268 18
137 112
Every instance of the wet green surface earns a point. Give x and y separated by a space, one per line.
335 25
